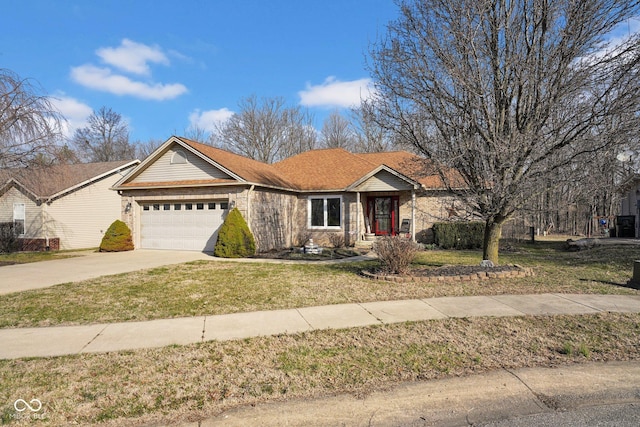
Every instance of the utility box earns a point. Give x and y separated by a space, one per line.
626 226
635 280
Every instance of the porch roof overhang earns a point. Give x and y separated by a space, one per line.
360 184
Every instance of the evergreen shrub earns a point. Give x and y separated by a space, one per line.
458 235
234 238
117 238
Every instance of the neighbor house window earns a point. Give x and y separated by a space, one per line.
18 218
325 212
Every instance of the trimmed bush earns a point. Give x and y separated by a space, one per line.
234 238
395 254
117 238
8 238
458 235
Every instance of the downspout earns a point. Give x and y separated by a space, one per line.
249 204
357 215
44 224
413 214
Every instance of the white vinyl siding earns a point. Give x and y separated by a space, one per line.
384 181
81 218
33 217
182 225
171 167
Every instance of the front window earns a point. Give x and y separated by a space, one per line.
325 212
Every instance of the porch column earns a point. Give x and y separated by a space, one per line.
357 216
413 215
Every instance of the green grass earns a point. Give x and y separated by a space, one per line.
27 257
217 287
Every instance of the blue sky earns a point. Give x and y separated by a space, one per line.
165 65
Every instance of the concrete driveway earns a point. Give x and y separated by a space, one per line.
35 275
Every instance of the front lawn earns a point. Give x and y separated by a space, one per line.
218 287
179 384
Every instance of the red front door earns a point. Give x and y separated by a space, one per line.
383 215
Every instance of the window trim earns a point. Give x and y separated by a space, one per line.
23 214
325 212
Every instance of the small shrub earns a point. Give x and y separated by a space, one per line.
117 238
234 238
302 238
395 254
458 235
8 238
336 240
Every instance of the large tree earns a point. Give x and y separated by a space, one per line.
267 130
30 127
338 132
507 92
105 139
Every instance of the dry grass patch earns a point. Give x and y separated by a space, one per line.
197 381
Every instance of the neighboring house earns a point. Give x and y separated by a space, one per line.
177 197
628 220
71 203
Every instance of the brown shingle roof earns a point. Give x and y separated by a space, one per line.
327 169
44 182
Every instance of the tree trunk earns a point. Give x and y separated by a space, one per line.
492 234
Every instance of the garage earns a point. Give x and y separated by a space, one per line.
181 225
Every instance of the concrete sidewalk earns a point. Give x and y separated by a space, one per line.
63 340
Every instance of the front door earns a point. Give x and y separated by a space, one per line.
383 215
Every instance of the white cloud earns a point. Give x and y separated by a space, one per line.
76 113
208 120
133 57
105 80
334 93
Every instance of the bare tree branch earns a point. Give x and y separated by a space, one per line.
30 127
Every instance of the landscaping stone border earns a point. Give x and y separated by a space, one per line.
481 275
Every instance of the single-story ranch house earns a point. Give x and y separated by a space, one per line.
177 198
62 206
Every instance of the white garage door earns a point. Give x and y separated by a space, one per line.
182 225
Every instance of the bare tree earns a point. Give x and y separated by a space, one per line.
337 132
144 149
506 92
370 137
266 130
196 133
30 127
105 139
